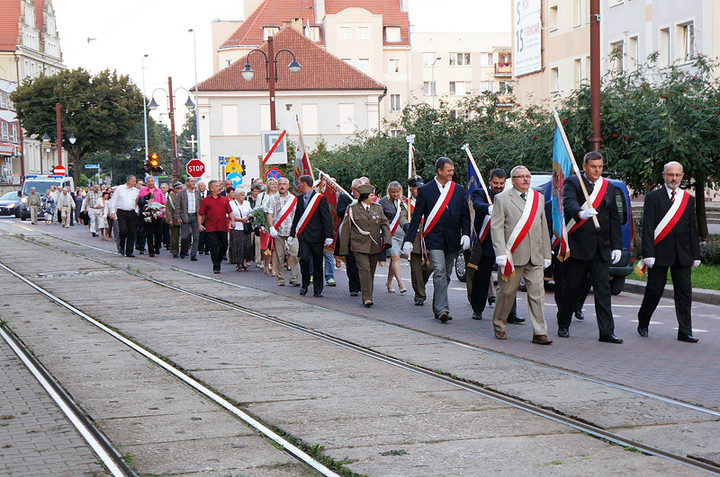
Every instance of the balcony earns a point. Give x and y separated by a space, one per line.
503 70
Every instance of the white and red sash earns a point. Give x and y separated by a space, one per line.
309 211
668 222
532 208
285 211
439 208
484 228
396 220
595 199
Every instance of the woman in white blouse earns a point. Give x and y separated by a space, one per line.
240 241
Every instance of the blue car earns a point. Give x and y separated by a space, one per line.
542 182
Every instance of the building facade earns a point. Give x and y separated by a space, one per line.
29 46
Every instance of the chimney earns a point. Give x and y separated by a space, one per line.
296 24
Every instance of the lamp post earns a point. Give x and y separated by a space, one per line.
171 115
144 104
58 141
432 81
197 103
271 77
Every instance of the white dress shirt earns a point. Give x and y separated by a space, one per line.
124 198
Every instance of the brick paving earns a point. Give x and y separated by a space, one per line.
659 364
35 436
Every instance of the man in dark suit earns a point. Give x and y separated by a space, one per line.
590 249
313 232
189 203
445 229
350 264
480 263
665 245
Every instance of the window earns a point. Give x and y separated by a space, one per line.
686 41
346 118
3 100
616 56
488 86
395 102
578 10
578 72
664 47
14 133
552 21
458 88
459 59
486 59
429 88
633 53
363 33
269 31
364 65
348 61
345 33
554 79
395 132
313 33
5 131
393 34
429 58
505 87
394 65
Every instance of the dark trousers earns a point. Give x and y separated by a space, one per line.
366 263
189 236
682 288
202 242
559 279
166 235
217 243
311 252
479 283
419 276
352 272
127 223
153 234
575 273
140 234
174 239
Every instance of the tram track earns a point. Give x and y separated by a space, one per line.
475 388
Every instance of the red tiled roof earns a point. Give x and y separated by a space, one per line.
389 9
269 13
9 24
320 70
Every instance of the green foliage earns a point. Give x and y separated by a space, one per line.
710 250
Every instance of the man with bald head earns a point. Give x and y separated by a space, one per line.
669 240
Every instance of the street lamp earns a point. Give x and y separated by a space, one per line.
432 83
171 114
270 76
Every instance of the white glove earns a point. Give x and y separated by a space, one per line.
490 207
272 232
696 263
649 261
546 263
615 256
407 248
465 242
501 261
587 213
290 241
328 241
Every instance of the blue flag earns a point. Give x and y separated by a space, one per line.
562 168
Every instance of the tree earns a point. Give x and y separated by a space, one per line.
99 110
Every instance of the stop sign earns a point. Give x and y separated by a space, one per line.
195 168
59 170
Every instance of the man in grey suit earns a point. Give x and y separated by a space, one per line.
522 249
188 205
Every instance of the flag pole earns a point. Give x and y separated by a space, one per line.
302 143
411 167
466 148
574 164
330 179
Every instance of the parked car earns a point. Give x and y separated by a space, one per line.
542 182
10 204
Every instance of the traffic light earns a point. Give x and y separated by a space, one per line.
152 165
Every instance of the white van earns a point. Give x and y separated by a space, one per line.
41 183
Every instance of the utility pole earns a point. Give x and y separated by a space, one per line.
173 143
595 138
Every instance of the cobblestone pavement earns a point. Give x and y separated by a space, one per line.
35 436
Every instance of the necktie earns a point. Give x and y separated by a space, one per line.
523 195
672 196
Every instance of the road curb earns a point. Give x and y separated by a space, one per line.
701 295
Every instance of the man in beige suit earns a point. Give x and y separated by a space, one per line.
522 249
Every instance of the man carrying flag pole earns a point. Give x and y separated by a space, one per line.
302 162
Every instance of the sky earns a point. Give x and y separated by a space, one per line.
100 34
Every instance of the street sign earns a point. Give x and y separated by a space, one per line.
195 168
59 170
222 160
273 147
92 166
273 174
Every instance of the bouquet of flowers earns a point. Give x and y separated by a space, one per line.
260 218
153 211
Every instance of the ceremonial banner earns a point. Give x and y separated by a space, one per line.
332 191
475 182
562 168
302 162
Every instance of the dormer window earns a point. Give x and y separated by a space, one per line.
269 31
393 34
312 33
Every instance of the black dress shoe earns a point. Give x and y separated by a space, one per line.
354 293
193 259
141 252
419 302
443 317
368 304
515 320
477 316
491 300
318 294
151 254
687 338
642 332
610 339
579 315
563 333
303 291
130 255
